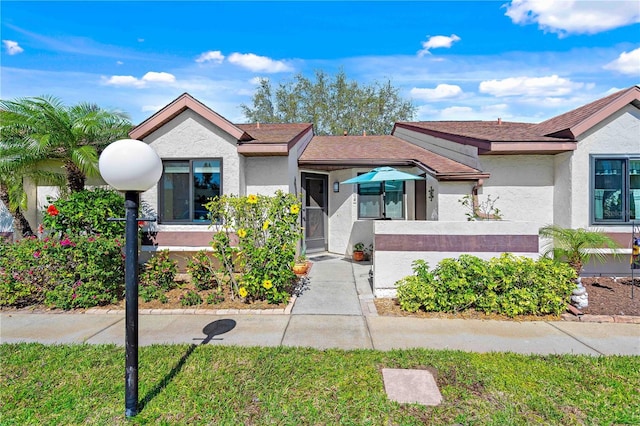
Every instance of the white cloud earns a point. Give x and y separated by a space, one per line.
627 63
123 80
529 86
441 92
211 56
131 81
159 77
437 42
12 47
574 16
119 63
458 112
257 63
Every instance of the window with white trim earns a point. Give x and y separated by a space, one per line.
186 186
615 190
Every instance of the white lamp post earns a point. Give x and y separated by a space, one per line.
133 167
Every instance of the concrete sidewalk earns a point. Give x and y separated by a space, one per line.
336 311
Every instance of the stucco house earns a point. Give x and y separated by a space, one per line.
579 169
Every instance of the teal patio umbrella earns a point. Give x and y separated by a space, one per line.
383 175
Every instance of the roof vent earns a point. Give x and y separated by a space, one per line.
258 125
345 133
364 133
499 121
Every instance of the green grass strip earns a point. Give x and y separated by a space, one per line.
207 384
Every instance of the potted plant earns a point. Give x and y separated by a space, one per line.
358 252
301 265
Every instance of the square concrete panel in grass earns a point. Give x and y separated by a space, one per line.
411 386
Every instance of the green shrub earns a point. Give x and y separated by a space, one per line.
71 272
215 297
160 271
202 271
86 213
190 298
507 285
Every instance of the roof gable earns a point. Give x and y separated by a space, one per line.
175 108
574 123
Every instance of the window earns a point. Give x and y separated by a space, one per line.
185 186
373 203
616 189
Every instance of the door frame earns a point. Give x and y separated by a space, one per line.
325 209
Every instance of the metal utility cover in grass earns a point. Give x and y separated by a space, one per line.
411 386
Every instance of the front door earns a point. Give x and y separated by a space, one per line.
315 218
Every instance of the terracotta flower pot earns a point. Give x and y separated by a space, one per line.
300 268
358 256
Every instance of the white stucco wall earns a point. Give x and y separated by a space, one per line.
618 134
523 184
391 266
449 195
266 175
562 190
342 206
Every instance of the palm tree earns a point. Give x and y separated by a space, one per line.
16 166
576 246
44 129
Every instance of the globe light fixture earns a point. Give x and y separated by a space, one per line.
133 167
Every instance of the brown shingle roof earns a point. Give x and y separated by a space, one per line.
571 124
378 150
273 133
489 131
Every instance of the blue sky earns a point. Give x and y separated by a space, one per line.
521 60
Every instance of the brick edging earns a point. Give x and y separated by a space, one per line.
622 319
183 311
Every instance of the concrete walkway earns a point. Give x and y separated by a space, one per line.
336 311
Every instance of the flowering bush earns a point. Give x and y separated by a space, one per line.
267 233
68 272
86 213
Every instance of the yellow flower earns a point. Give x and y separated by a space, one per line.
295 209
265 225
252 199
267 284
242 233
243 292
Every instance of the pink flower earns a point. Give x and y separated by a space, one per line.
36 254
74 296
65 242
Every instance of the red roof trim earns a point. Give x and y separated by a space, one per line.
180 104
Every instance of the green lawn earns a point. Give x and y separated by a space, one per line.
181 384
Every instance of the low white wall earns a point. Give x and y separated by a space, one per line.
391 264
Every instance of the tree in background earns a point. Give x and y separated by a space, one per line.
334 105
44 130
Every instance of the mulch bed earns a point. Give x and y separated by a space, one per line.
607 296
